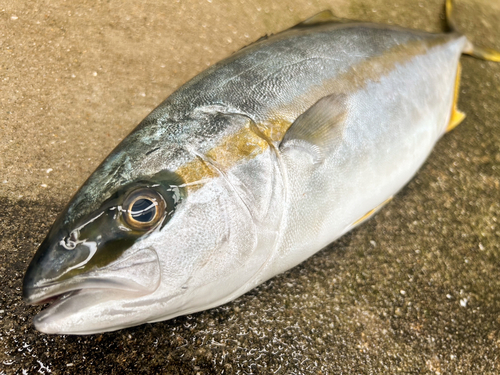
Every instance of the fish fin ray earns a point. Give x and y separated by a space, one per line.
370 213
457 116
319 128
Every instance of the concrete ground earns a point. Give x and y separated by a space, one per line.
415 290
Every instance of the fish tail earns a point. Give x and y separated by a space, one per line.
482 53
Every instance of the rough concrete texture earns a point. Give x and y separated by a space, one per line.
414 290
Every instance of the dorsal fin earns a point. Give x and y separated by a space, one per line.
319 129
323 17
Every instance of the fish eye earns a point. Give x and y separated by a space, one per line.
143 209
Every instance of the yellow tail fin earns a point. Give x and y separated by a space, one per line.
475 51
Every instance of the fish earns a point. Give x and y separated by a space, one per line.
247 170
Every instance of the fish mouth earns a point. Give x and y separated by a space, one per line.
86 311
130 276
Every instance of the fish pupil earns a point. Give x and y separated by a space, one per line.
143 210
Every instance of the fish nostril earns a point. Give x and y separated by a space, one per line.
74 235
69 242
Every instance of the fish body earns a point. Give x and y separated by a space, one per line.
245 171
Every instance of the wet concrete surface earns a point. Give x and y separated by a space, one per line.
414 290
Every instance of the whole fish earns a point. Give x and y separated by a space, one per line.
246 170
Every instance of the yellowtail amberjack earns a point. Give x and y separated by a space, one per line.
247 170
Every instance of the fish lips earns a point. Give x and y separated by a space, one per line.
134 274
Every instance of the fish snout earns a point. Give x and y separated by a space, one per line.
46 267
59 267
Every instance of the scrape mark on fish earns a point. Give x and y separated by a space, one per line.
151 151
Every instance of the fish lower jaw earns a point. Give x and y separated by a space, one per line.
57 292
136 274
85 311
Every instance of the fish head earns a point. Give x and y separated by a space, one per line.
141 247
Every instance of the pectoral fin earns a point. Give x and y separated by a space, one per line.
325 16
319 128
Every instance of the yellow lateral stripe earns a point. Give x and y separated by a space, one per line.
243 145
457 116
195 170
